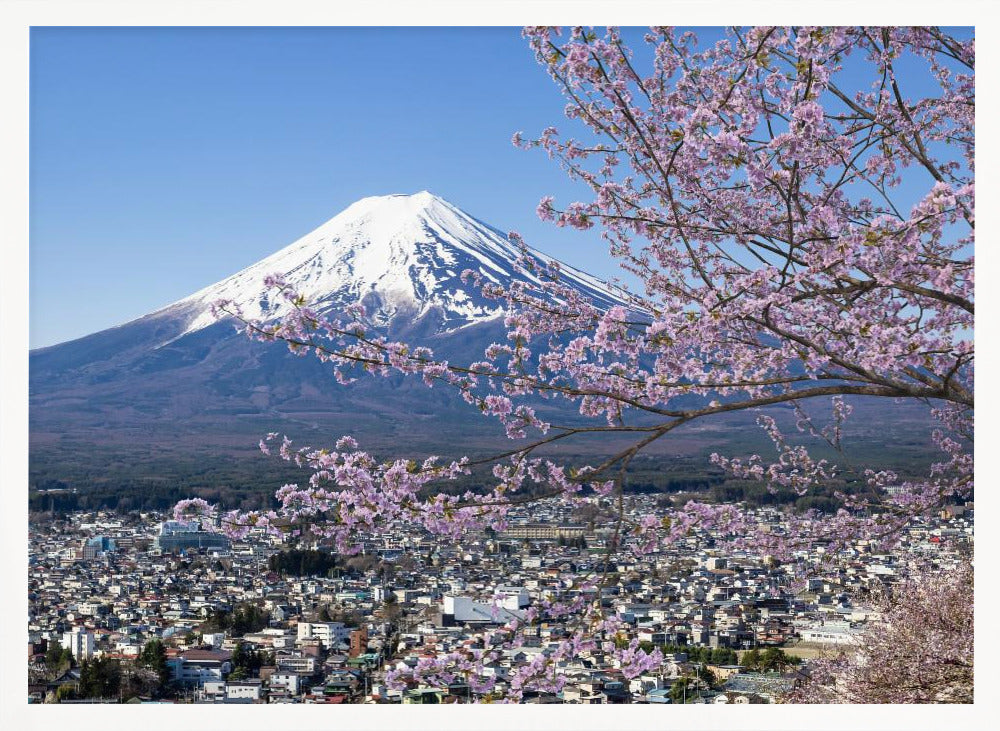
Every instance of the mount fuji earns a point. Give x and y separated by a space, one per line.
179 378
401 256
177 400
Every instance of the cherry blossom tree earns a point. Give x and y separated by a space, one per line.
920 650
798 206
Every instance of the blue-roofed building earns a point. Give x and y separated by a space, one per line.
658 695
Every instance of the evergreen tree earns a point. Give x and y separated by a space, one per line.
100 678
154 657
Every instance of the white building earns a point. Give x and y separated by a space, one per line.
328 633
215 639
830 633
292 682
465 610
197 667
244 690
512 597
80 643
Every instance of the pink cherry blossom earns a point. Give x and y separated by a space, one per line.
755 190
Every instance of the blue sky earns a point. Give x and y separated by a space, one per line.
164 159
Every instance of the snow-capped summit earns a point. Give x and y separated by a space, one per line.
185 380
397 254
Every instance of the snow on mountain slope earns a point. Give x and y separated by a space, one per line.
397 254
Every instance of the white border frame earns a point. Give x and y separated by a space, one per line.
17 16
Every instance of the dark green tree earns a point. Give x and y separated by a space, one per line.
154 657
246 661
57 657
100 678
775 659
723 656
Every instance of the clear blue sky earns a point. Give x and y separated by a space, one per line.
165 159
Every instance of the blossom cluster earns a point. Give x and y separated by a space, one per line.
755 190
